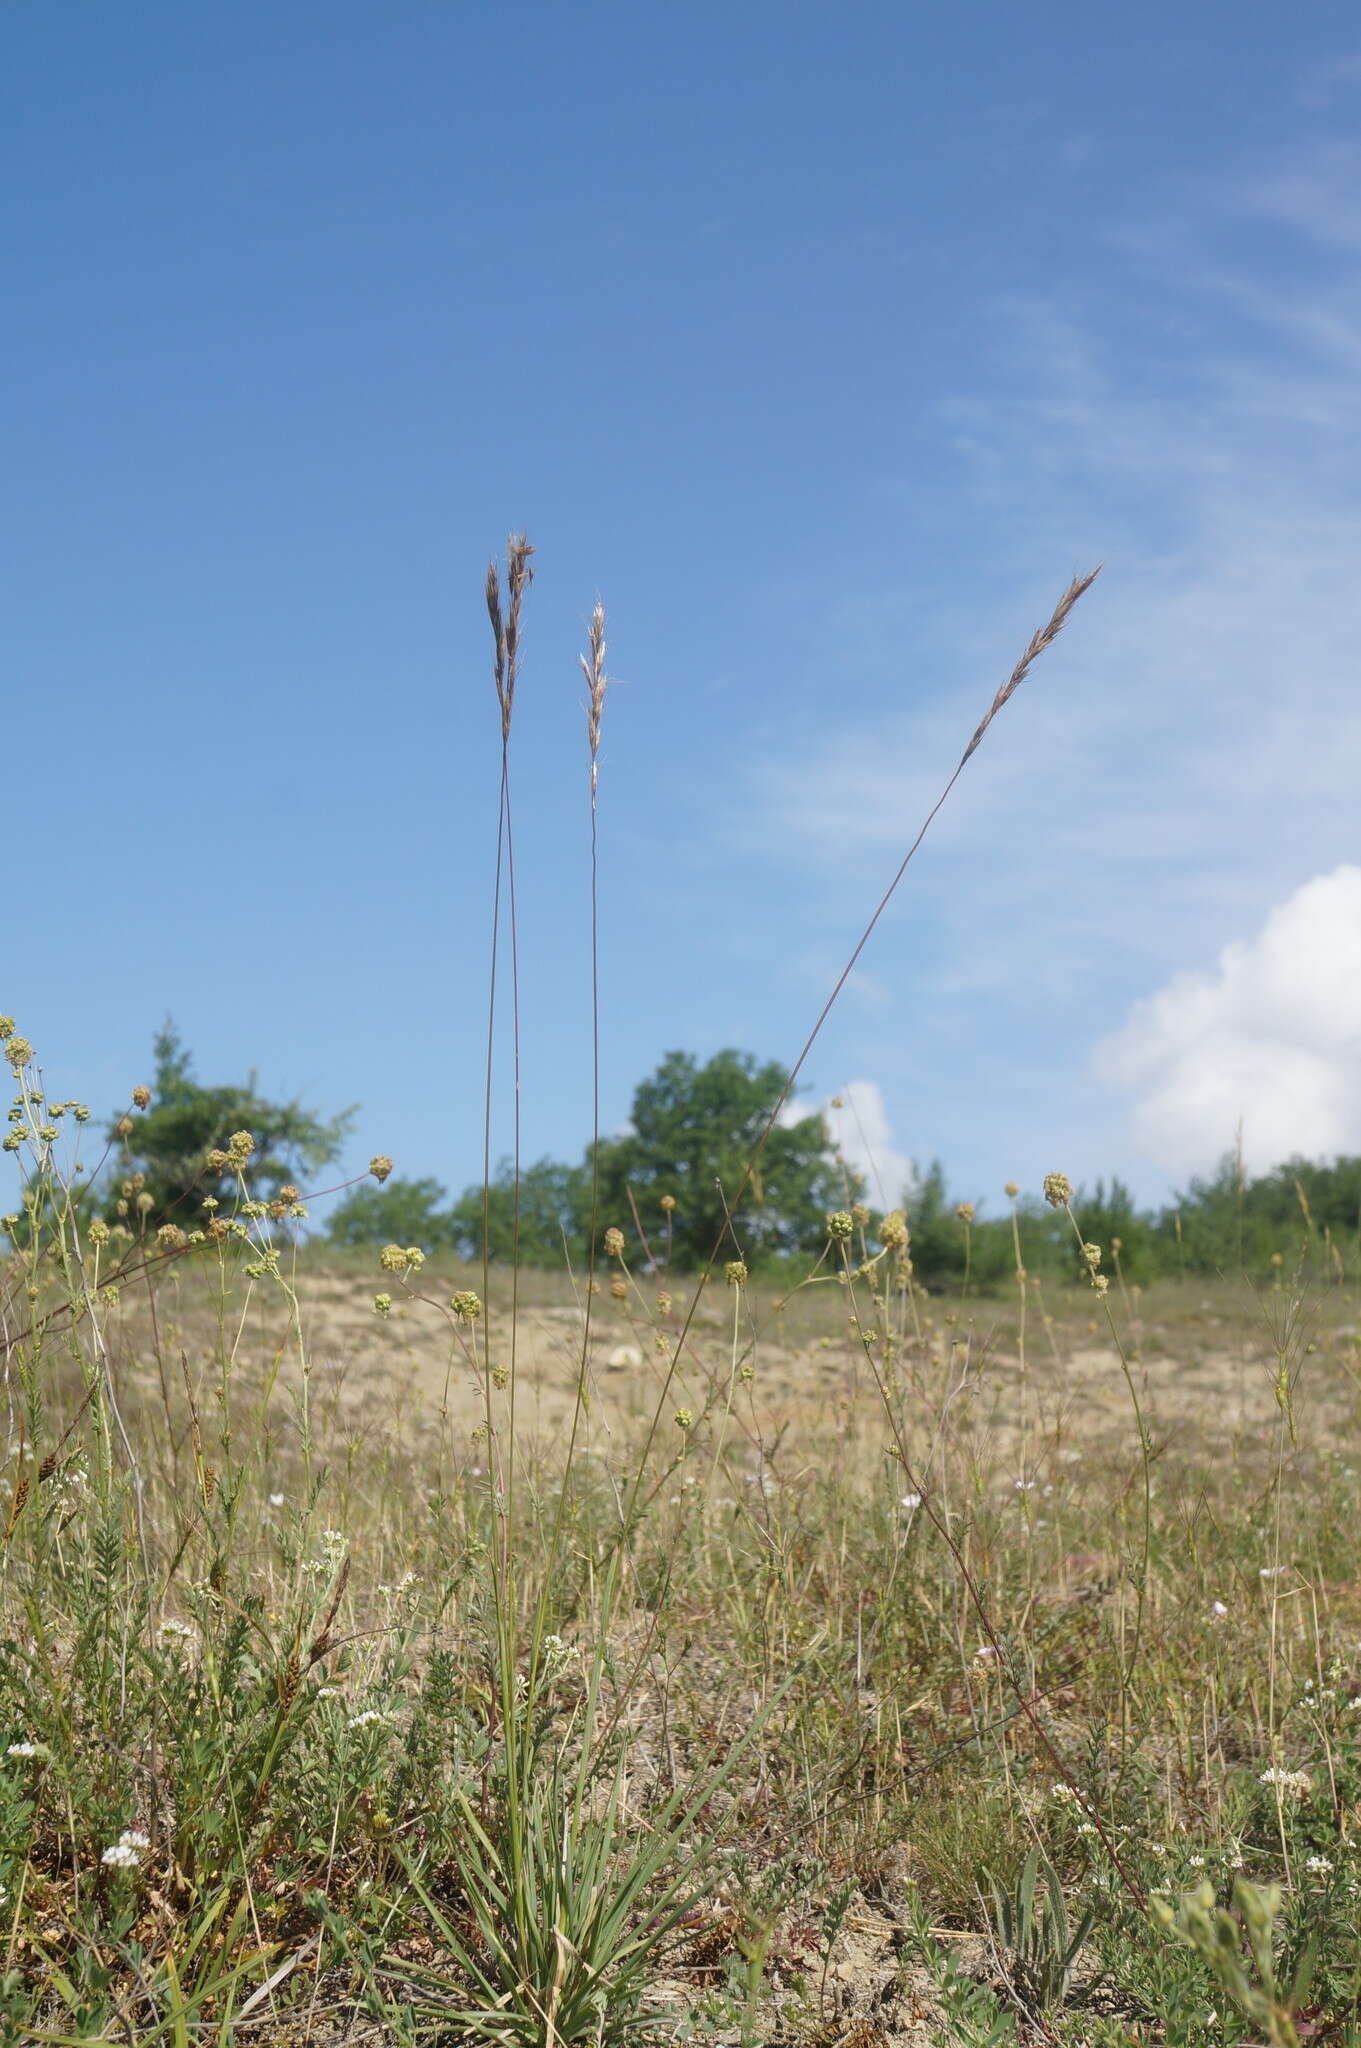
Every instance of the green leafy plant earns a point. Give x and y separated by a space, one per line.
976 2018
1239 1947
1036 1943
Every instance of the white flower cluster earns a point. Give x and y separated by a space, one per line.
1297 1784
407 1583
126 1852
334 1544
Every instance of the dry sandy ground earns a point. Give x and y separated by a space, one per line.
1204 1366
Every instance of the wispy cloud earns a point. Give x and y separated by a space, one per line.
1193 746
1324 84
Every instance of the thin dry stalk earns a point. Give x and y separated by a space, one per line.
505 625
1046 635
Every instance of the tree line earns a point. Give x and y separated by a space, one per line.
676 1182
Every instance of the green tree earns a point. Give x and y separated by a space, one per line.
402 1212
694 1128
169 1145
554 1220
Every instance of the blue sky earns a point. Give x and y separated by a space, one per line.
824 345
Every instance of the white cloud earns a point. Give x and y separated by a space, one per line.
1271 1036
860 1129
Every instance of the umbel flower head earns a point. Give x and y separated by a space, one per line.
1058 1190
614 1243
380 1166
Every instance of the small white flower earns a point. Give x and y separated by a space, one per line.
983 1652
1218 1609
1272 1571
1320 1865
1024 1485
328 1692
180 1630
27 1749
133 1838
276 1500
910 1501
1298 1784
366 1719
122 1856
1196 1862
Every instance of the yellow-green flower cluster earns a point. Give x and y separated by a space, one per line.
396 1258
